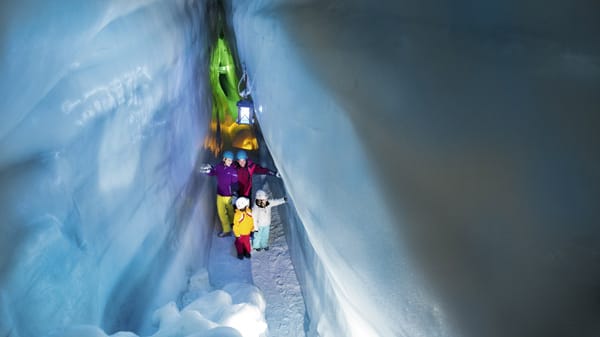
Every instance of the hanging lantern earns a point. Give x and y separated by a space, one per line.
245 112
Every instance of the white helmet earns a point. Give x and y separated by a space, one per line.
260 194
242 203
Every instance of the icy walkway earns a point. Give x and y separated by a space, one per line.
271 271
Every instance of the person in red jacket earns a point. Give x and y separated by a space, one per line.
246 168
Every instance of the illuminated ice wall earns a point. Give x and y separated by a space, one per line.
104 108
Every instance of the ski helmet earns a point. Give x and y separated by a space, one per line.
228 155
262 195
242 155
242 203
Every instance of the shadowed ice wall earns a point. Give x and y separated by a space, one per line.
442 158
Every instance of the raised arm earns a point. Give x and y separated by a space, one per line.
277 202
257 169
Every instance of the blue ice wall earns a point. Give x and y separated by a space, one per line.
442 158
103 112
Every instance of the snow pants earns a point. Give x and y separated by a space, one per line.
242 244
261 238
225 211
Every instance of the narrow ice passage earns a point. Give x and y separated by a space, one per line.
271 271
441 158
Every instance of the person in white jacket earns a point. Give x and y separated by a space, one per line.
262 219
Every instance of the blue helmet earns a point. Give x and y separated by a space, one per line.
242 155
228 155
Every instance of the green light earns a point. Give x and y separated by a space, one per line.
224 82
226 133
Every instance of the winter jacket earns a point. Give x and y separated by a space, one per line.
243 222
262 215
226 176
245 176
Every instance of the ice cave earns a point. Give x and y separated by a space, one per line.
440 162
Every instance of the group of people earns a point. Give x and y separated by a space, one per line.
234 187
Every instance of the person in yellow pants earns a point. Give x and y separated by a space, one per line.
226 176
225 212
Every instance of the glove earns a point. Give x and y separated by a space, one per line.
277 175
205 168
285 199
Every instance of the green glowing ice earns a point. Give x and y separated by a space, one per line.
224 82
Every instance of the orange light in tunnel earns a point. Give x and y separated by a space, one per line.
231 134
244 138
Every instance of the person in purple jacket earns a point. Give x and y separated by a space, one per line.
226 177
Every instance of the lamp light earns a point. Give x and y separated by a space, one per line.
245 112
